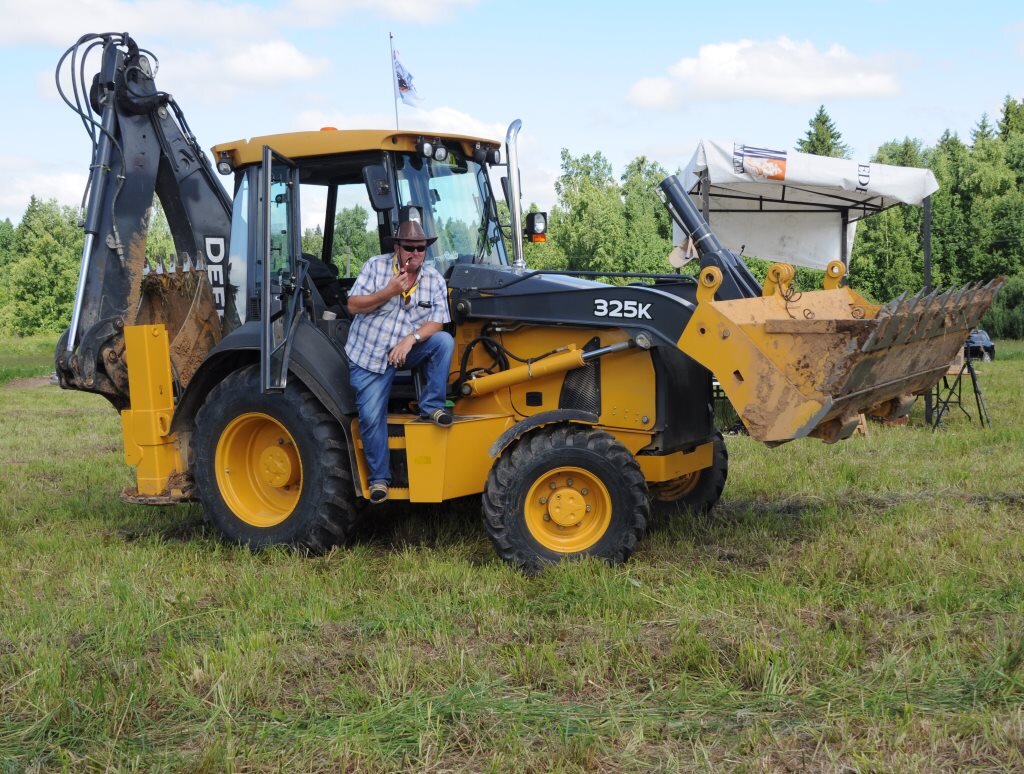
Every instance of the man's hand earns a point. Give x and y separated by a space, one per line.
400 351
398 284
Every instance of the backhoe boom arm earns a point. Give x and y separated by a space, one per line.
141 146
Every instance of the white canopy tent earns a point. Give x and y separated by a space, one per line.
796 207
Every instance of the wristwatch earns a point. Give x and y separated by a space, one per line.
417 337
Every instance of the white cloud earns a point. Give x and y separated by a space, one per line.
200 76
271 63
781 70
421 11
267 63
23 179
59 22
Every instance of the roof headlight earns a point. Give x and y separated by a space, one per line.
224 163
537 227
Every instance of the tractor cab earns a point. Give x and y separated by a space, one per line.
340 196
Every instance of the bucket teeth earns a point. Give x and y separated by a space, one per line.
901 315
905 320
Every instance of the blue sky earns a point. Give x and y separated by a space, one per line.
627 79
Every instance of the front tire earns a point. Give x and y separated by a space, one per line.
695 493
272 468
565 492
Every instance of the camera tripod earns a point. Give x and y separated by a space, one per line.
954 395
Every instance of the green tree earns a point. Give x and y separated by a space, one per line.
1006 317
6 241
37 287
353 244
990 192
952 229
313 241
159 242
977 215
541 255
982 130
888 256
648 224
591 231
1012 121
823 138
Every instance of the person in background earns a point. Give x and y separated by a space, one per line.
399 308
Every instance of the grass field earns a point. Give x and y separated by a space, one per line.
27 356
857 606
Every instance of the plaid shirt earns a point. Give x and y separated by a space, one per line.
375 333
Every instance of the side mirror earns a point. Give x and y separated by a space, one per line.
378 186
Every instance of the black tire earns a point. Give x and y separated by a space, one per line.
601 484
324 512
695 493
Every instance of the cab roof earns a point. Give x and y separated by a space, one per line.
329 141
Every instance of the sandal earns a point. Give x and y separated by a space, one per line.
378 492
441 418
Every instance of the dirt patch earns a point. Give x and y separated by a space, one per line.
26 382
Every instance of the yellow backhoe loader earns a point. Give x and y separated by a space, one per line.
576 403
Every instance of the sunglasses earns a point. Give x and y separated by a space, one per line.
414 248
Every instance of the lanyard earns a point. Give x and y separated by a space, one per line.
406 294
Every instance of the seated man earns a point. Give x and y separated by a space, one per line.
399 308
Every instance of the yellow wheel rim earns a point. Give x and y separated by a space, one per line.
677 487
568 510
259 472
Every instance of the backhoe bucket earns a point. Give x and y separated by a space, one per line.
180 296
808 364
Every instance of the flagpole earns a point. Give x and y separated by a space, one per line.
394 79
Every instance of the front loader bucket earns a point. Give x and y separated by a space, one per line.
808 364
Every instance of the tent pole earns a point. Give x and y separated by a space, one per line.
927 239
844 222
705 195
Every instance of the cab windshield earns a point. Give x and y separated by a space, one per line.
454 196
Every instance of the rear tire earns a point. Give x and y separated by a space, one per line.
695 493
565 492
272 468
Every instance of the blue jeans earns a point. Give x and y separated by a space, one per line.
434 355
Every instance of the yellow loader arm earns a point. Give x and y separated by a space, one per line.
808 364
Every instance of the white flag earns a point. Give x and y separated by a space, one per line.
403 83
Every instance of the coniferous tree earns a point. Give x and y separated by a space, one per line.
823 138
1012 120
6 241
982 130
37 287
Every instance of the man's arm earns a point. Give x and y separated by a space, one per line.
365 304
400 351
428 329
